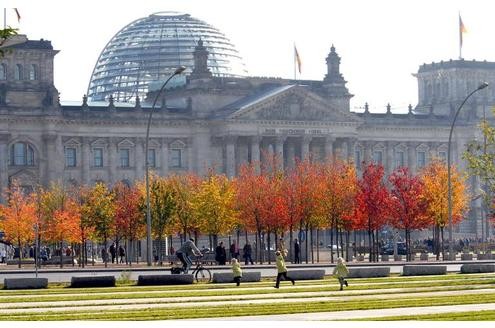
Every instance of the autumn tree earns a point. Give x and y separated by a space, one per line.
480 158
339 195
435 193
60 215
250 192
214 206
184 189
99 208
307 192
407 205
372 205
129 216
18 218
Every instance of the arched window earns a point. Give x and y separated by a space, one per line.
3 72
18 72
33 74
21 154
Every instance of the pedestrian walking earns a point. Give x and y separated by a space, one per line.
282 270
297 251
220 254
121 253
341 272
247 250
113 252
237 271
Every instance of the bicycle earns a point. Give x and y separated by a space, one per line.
200 273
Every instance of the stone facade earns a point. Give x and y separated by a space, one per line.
222 123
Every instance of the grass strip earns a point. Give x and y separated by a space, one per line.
486 315
251 309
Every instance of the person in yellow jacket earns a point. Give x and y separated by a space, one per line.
282 269
340 271
237 271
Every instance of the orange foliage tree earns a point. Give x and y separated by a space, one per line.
339 195
184 189
128 218
18 218
435 193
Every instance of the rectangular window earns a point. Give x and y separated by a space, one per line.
98 157
442 155
124 157
421 159
377 157
176 158
19 154
70 157
151 158
399 159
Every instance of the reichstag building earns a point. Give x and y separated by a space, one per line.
215 115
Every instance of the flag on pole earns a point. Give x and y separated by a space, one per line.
18 15
298 59
462 30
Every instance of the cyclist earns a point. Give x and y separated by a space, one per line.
187 249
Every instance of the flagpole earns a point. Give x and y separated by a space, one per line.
460 37
4 18
294 61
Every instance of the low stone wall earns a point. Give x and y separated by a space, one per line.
369 272
25 283
309 274
477 268
228 277
92 281
423 270
165 279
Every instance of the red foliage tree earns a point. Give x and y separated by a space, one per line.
407 206
373 205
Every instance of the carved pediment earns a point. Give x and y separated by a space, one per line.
294 104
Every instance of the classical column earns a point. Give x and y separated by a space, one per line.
351 149
305 141
4 169
329 140
291 154
279 150
50 158
389 158
164 157
368 152
139 159
411 156
230 158
255 152
112 160
85 160
190 154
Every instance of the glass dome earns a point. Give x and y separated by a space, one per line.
151 48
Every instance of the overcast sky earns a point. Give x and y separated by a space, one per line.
381 42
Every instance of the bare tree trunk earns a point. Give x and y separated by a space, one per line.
317 245
291 252
331 241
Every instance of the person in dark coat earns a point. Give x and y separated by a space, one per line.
121 253
220 254
297 251
113 252
247 250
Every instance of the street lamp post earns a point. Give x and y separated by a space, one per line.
149 249
449 183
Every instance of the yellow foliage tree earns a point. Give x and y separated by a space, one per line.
214 205
435 192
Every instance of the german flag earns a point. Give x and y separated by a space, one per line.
462 29
298 59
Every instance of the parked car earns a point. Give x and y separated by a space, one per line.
388 249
